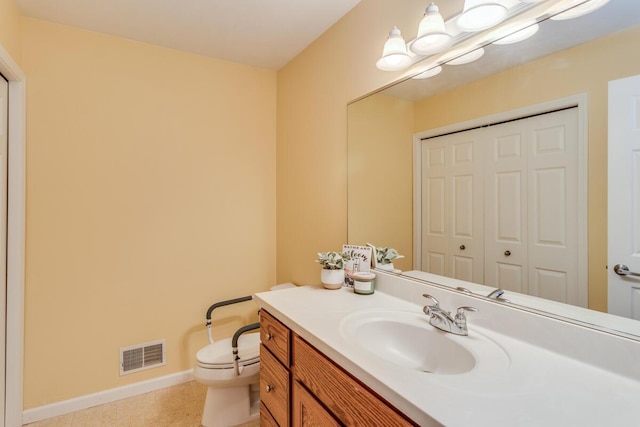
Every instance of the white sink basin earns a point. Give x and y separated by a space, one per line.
406 339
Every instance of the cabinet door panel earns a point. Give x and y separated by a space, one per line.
307 411
351 403
266 419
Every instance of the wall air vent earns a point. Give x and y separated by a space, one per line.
143 356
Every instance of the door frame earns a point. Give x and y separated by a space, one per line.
579 101
15 238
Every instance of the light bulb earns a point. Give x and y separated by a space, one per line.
432 35
394 54
479 15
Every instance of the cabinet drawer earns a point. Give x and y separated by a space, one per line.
275 336
348 400
274 387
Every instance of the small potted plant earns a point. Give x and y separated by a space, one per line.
385 257
332 274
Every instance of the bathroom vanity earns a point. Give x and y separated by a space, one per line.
296 390
332 357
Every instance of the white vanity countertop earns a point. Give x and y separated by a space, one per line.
536 387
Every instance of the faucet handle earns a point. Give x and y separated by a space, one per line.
461 310
496 294
428 309
435 301
461 319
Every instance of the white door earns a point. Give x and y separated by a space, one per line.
624 197
452 224
506 207
553 206
532 206
500 206
4 139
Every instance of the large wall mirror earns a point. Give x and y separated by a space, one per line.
566 64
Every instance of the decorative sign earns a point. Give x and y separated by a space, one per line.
361 259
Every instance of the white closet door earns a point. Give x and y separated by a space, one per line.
553 206
500 206
532 206
452 221
506 250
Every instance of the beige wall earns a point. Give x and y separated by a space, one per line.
379 159
313 92
10 23
150 195
583 69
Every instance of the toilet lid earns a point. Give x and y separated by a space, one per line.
219 354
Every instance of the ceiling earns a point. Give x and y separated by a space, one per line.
263 33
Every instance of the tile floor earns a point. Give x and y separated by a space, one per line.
177 406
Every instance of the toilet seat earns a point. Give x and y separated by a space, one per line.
219 354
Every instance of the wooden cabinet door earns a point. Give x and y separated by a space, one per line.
266 419
352 403
307 412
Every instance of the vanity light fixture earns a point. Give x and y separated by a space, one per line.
518 36
432 35
429 73
435 36
474 55
580 9
479 15
394 54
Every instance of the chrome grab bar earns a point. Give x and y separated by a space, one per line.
623 270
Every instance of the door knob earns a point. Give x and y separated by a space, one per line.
623 270
463 247
507 253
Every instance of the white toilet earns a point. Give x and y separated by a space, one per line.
232 398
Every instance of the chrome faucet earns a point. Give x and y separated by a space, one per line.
443 320
497 295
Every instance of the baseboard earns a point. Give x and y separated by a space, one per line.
102 397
